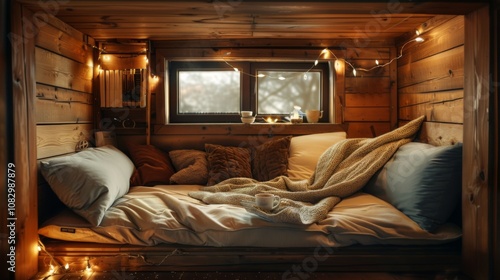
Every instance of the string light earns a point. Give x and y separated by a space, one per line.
327 52
54 268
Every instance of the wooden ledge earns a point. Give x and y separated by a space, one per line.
247 129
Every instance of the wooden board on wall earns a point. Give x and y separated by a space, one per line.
64 40
60 139
54 69
435 67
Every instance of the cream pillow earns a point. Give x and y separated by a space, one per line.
305 151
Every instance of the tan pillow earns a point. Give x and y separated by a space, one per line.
191 167
153 166
305 151
270 159
227 162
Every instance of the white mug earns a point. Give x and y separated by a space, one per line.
246 113
313 116
267 201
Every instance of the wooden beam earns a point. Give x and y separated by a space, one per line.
6 132
476 188
23 72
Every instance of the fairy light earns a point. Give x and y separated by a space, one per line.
327 54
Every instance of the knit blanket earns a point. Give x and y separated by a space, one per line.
342 170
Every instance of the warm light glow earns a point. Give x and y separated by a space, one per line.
261 75
236 69
282 78
39 248
376 61
270 120
66 266
52 270
419 39
354 72
337 65
417 32
315 62
106 57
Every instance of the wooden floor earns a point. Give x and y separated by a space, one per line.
122 275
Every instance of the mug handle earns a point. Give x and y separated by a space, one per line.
277 201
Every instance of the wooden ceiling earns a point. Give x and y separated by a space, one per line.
244 19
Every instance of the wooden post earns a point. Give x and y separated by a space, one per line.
6 137
476 188
24 148
496 141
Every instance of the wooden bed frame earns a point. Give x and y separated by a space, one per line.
172 257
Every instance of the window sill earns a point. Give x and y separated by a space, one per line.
247 129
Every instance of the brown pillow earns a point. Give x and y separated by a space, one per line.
153 167
191 167
227 162
270 159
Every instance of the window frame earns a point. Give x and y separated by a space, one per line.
248 94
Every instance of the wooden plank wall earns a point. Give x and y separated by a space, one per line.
431 81
64 99
367 98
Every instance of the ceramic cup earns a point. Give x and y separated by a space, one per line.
246 113
313 116
267 201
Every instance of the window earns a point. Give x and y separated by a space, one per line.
202 92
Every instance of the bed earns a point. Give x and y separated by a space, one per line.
403 206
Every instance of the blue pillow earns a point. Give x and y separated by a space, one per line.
422 181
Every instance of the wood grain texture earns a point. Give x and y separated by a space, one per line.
56 70
61 139
476 191
23 76
6 132
435 67
210 20
194 258
64 40
367 130
441 134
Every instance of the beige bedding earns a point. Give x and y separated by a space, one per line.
166 214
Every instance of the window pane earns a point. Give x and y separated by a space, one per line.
279 91
202 92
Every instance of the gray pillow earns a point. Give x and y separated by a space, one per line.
90 181
422 181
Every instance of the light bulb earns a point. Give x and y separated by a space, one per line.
417 32
236 69
419 39
376 61
315 62
261 75
282 78
354 72
39 248
66 266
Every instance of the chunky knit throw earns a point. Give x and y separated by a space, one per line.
342 170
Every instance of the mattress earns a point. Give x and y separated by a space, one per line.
166 214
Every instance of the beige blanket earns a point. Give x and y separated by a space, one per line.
342 170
